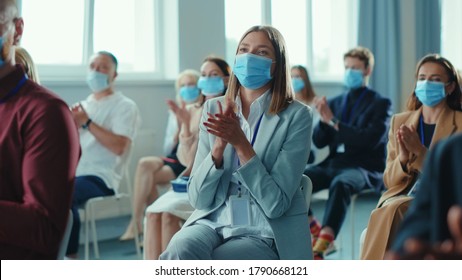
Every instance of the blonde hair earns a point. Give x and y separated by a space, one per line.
282 94
186 73
23 58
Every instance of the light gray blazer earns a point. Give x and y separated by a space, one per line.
272 177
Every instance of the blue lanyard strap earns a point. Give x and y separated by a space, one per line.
422 136
14 90
255 132
346 118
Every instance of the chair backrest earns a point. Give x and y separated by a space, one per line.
66 236
307 188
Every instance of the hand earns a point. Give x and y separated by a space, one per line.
449 249
182 114
410 139
323 109
226 127
79 114
403 153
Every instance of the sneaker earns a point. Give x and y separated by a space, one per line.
330 249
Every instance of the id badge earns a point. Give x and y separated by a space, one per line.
239 210
341 148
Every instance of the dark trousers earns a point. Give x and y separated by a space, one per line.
342 184
85 187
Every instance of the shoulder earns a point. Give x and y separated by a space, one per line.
41 99
403 116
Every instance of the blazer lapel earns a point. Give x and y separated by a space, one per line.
265 133
445 125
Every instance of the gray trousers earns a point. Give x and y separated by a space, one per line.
200 242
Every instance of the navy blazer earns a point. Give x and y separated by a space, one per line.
272 177
439 189
363 132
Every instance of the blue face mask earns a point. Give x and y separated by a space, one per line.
97 81
211 86
252 71
353 78
298 84
430 93
189 93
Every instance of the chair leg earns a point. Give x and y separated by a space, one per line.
137 242
87 233
352 221
93 229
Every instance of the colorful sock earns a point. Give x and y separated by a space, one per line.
323 242
315 229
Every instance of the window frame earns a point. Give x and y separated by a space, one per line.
63 73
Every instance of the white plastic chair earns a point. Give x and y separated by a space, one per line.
89 212
307 188
67 234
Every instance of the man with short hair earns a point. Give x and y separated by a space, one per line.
108 122
39 152
354 126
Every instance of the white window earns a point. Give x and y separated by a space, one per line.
451 24
62 43
317 32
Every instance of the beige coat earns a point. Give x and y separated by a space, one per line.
384 221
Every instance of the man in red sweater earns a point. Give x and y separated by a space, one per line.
39 152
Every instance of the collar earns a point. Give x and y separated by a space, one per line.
258 106
10 81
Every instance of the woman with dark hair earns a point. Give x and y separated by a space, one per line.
301 83
164 216
253 146
433 114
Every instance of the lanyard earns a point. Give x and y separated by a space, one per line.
422 136
346 118
14 90
255 132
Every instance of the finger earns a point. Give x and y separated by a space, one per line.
455 223
81 107
183 104
220 107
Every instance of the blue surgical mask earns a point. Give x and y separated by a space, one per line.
353 78
430 93
298 84
252 71
189 93
211 86
97 81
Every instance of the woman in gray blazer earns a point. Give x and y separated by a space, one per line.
253 146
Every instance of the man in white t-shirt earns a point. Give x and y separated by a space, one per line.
108 122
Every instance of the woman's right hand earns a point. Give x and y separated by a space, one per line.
182 114
220 144
403 153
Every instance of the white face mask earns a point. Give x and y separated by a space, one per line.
97 81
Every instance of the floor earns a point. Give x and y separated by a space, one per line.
112 249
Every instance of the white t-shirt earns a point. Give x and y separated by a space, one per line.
118 114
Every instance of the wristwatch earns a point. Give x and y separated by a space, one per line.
333 122
87 124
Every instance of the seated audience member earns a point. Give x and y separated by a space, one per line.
39 152
166 213
432 228
153 171
108 122
353 125
304 93
23 57
433 114
253 146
